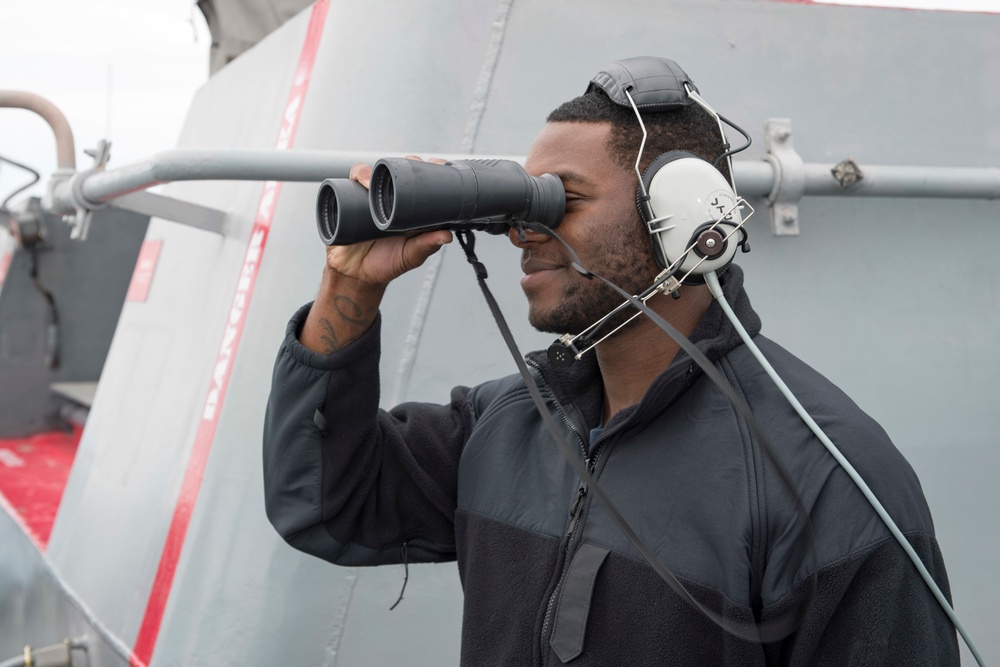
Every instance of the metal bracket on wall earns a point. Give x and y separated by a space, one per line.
80 220
168 208
139 201
789 177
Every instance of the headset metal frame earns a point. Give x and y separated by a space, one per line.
665 280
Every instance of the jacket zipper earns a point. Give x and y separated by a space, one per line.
575 511
577 507
571 532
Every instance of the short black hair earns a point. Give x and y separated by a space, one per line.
688 128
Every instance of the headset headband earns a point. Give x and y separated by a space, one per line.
656 84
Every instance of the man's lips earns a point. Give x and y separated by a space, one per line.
537 271
533 265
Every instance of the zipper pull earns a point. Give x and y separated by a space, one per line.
577 506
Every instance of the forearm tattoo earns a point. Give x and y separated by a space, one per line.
350 313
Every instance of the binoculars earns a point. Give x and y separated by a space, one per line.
408 196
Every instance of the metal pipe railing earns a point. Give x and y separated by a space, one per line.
886 181
756 179
235 164
753 178
65 147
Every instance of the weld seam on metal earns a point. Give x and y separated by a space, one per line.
485 83
340 619
117 644
407 360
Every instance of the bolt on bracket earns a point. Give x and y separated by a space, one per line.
789 177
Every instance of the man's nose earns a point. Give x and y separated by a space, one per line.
514 234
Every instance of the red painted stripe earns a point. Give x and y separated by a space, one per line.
145 269
5 266
150 628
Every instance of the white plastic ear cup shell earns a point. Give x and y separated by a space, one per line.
684 195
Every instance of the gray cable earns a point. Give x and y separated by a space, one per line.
35 178
712 280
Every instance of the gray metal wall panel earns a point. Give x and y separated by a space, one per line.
28 600
88 285
35 610
913 345
884 86
396 76
235 568
324 611
473 351
133 454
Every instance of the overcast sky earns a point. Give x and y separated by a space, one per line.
125 70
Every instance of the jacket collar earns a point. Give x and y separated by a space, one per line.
579 389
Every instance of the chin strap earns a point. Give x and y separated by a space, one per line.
768 631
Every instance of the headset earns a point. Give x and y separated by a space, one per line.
690 210
680 195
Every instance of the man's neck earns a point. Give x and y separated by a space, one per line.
632 359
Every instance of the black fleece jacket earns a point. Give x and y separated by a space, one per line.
548 578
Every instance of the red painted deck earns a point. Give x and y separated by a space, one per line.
33 474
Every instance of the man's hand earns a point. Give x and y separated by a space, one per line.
381 261
355 278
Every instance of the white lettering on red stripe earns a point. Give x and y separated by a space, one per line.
236 313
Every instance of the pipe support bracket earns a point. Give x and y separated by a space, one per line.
789 177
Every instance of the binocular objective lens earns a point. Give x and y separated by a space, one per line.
386 197
328 209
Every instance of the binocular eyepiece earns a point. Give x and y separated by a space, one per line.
409 196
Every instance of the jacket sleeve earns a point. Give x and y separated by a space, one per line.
346 481
871 608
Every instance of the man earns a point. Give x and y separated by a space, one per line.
548 577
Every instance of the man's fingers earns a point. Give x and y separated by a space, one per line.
439 238
362 173
431 242
419 248
434 160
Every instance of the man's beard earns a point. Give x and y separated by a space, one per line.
626 259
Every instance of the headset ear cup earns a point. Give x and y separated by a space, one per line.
643 203
687 195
